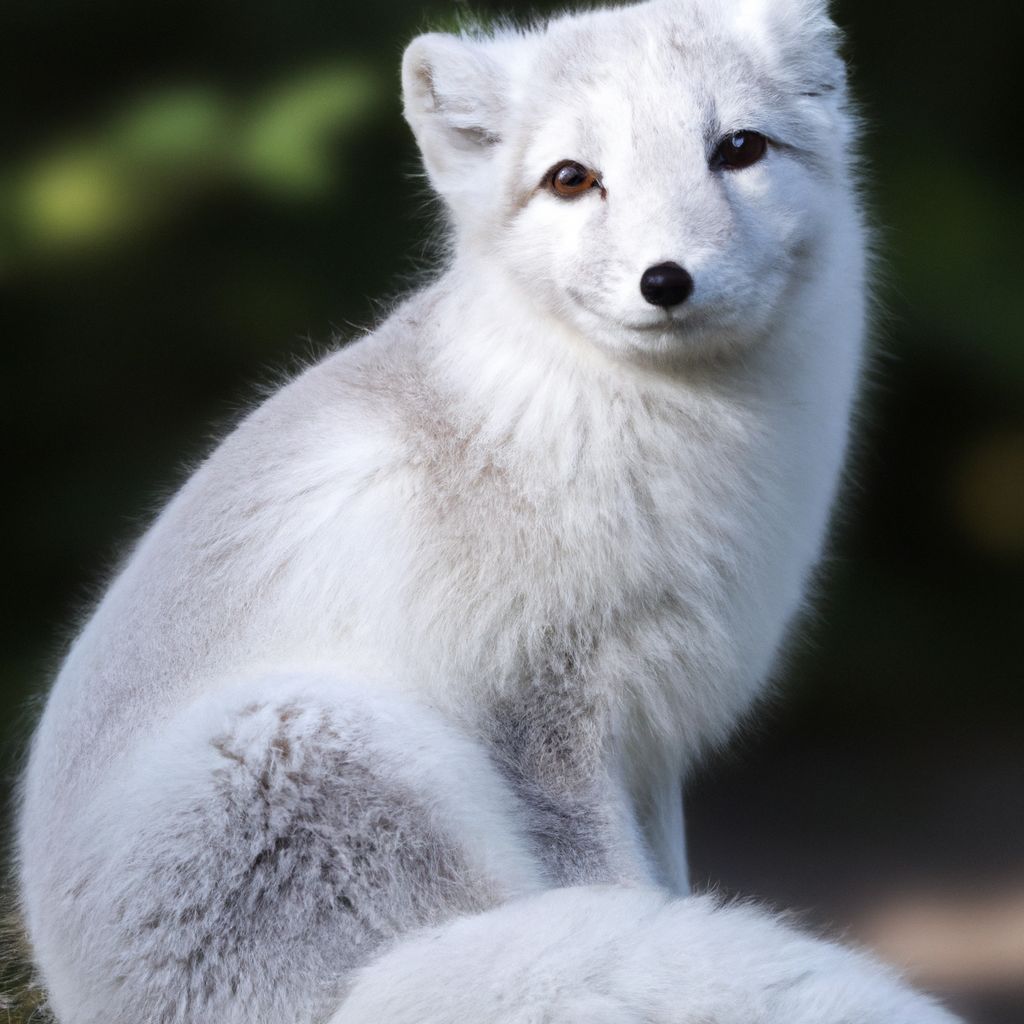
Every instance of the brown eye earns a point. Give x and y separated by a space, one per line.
570 179
739 150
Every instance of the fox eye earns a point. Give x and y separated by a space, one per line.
570 179
739 150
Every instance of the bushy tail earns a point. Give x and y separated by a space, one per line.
611 955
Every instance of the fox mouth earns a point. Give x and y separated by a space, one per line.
682 320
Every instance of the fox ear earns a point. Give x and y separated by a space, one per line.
801 37
454 93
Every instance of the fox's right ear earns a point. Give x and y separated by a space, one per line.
454 95
801 37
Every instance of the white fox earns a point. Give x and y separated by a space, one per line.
385 718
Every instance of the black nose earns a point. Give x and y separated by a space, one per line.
666 285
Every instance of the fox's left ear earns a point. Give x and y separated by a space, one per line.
454 93
801 37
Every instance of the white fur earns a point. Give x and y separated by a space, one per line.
602 955
440 626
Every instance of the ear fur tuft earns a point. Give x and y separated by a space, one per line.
801 37
454 93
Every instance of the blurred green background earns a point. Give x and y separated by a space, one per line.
196 196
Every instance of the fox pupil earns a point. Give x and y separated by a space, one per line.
741 149
569 179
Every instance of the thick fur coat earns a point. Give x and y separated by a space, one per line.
385 718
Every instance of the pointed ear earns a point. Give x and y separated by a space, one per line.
454 94
801 38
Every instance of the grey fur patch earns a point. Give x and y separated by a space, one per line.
568 832
302 865
547 739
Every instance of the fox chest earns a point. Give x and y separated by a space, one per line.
636 569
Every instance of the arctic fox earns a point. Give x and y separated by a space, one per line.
384 720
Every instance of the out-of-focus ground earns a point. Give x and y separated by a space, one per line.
908 844
194 196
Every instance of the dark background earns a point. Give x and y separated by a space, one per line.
196 195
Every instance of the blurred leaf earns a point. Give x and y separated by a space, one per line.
286 142
172 128
74 196
168 148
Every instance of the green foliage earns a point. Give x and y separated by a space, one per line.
168 148
285 142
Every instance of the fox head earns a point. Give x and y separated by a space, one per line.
658 177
